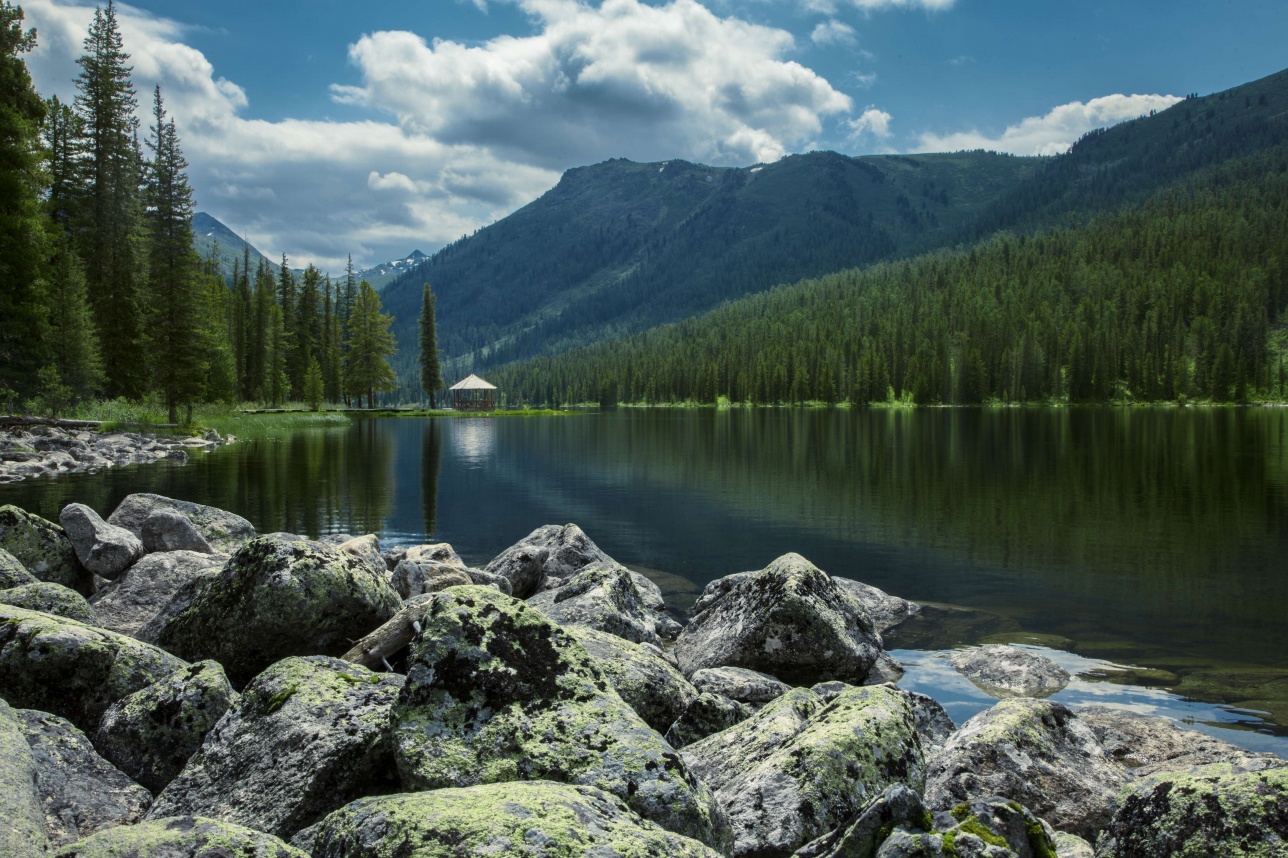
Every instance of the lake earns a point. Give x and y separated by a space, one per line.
1151 545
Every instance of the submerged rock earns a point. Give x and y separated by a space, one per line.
549 552
1034 752
12 572
42 547
530 818
277 598
799 768
1007 671
170 530
224 531
181 837
645 680
307 736
151 734
104 549
71 669
1197 814
705 716
610 598
22 818
51 599
789 620
81 792
496 692
739 683
143 593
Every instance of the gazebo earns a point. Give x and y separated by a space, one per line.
473 394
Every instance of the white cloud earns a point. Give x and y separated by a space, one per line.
872 121
476 131
833 32
1055 132
830 7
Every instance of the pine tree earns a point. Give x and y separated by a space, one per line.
431 372
76 351
331 344
314 388
178 328
367 370
64 136
308 325
109 227
23 329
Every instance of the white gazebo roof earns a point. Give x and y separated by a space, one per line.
473 382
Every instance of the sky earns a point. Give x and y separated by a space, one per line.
322 128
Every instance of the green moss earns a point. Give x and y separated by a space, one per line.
926 822
961 811
972 825
1039 841
186 835
278 700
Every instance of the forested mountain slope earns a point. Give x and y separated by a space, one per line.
1175 298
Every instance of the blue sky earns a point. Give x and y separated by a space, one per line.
325 128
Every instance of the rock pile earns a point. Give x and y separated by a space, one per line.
225 692
29 451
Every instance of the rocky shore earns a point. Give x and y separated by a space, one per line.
175 684
46 448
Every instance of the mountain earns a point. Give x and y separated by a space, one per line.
380 276
620 246
207 232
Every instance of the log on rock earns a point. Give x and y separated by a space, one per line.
376 649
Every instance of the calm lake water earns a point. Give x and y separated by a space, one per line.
1150 544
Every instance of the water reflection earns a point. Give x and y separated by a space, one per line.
474 440
431 457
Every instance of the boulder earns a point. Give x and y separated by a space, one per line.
789 620
151 734
144 591
496 692
181 837
224 531
739 683
487 579
277 598
51 599
610 598
934 726
1200 814
1001 670
104 549
22 818
707 715
81 792
1072 846
862 836
550 551
307 736
971 827
416 577
530 818
367 549
12 572
647 682
71 669
171 530
884 609
799 768
1147 745
885 669
1035 752
42 547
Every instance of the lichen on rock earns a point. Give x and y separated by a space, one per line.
224 531
22 820
1008 671
12 572
181 837
50 598
609 597
42 547
657 692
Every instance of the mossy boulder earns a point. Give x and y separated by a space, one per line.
535 819
995 827
51 599
181 837
1001 670
144 591
153 732
739 683
789 620
610 598
22 819
862 835
1201 814
645 680
799 768
1036 753
70 669
705 716
42 547
223 531
551 551
12 572
279 597
307 736
496 692
81 793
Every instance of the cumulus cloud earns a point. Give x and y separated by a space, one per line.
872 122
472 131
1053 133
833 32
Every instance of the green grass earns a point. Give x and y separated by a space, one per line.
150 415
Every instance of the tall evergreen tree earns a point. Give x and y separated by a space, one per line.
178 328
431 371
331 343
308 326
64 136
367 370
74 338
22 236
110 222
